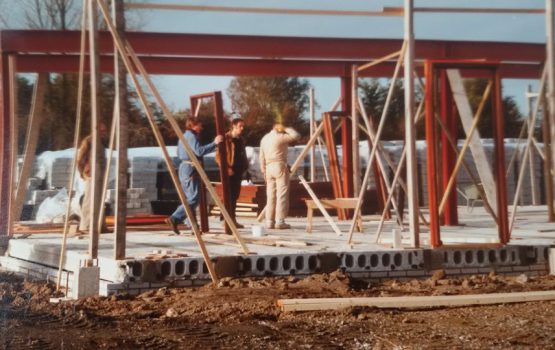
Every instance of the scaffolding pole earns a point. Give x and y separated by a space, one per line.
410 130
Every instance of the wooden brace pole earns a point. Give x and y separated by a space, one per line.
377 139
31 139
397 178
379 60
77 132
106 179
526 148
159 139
12 76
467 141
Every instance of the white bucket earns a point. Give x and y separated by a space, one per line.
397 238
257 230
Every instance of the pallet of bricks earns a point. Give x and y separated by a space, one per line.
143 172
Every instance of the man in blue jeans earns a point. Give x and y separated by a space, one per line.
188 176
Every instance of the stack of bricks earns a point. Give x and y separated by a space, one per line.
137 201
59 173
143 172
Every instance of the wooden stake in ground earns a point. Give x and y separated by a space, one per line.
77 132
12 71
373 153
120 106
124 54
97 150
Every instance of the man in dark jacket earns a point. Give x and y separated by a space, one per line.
237 162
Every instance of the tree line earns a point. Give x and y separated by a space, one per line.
260 101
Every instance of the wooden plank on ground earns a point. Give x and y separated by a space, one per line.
413 301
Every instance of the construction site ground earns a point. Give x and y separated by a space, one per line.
242 314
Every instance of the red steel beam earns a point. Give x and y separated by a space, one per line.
347 141
224 176
499 154
431 161
333 162
40 63
170 44
448 155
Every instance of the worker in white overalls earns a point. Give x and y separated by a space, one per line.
273 164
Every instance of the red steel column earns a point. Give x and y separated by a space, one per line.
347 140
203 201
5 145
435 240
448 155
332 160
224 177
499 154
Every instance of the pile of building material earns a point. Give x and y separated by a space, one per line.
137 201
143 172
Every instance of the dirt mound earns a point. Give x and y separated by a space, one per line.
242 313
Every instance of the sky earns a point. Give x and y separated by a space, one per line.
473 27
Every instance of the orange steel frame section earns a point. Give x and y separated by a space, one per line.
346 142
448 155
434 71
216 97
338 190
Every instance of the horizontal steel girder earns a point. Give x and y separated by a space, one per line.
290 56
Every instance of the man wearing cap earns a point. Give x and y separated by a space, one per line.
273 164
237 162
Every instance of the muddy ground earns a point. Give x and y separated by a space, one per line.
242 314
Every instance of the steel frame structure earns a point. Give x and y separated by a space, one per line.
216 98
37 51
436 82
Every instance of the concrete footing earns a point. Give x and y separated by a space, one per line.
87 281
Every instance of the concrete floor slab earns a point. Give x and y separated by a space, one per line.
182 259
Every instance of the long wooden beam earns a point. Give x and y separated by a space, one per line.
490 10
76 136
12 76
413 301
97 150
122 139
261 10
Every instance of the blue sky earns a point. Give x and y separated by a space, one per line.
477 27
474 27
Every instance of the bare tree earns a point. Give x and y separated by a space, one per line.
51 14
